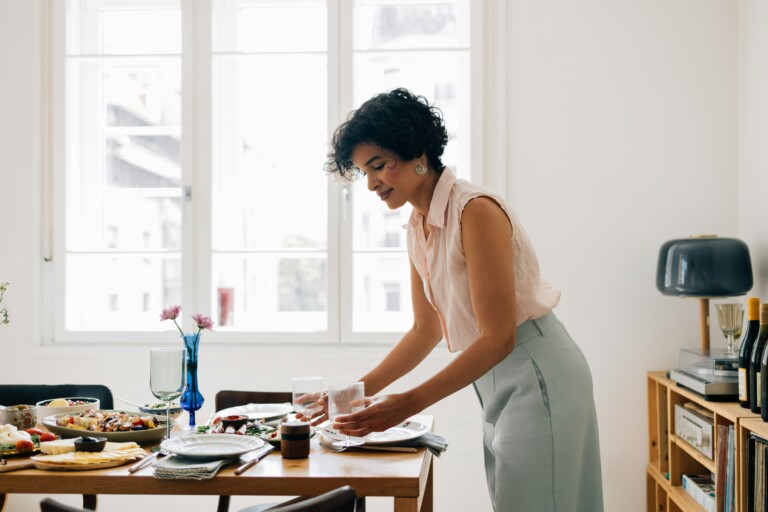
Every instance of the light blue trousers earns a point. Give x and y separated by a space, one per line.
540 437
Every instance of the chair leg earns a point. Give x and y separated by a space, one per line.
89 501
223 504
2 502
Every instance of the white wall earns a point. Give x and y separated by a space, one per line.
623 121
753 138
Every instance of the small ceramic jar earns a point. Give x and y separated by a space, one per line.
294 440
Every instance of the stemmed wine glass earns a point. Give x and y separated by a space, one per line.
306 392
167 371
730 318
340 398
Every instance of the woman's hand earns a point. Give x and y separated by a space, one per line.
319 416
380 413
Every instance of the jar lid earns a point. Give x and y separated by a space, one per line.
294 427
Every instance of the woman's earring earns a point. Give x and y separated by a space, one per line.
421 169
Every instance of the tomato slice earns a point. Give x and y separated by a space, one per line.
34 432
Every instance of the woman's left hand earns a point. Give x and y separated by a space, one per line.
380 413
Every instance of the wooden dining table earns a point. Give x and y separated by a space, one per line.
406 476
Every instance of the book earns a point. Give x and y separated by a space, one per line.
721 464
750 477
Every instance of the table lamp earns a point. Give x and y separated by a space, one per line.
704 267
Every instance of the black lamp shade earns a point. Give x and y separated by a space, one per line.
704 267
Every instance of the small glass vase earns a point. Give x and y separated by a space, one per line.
191 399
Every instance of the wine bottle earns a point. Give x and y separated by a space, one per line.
753 326
764 363
755 400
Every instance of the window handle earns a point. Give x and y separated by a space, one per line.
345 196
187 193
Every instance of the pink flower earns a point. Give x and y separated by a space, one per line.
203 322
171 313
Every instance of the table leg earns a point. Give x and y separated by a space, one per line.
89 501
426 502
406 504
223 504
360 504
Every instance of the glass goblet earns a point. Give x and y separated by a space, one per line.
167 371
340 402
306 392
730 318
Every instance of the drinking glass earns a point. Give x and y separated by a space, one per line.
167 371
340 398
306 392
730 318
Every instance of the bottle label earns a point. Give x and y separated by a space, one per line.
743 396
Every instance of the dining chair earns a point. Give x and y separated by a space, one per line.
30 394
232 398
343 499
51 505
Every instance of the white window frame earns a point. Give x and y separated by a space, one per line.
488 155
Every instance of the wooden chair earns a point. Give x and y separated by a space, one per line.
230 398
343 499
51 505
30 394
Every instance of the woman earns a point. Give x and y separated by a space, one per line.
475 282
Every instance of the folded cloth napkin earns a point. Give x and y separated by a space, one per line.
180 468
433 442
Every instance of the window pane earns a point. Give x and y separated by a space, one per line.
375 225
407 25
124 27
120 292
280 26
270 190
382 294
124 172
149 96
272 292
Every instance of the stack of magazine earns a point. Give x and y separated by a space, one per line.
702 489
757 474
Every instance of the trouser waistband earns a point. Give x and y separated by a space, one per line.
535 327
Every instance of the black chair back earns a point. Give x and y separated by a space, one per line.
30 394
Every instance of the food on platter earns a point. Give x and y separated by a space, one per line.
107 421
111 452
160 410
14 441
65 402
248 428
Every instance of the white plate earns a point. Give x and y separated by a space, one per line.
404 432
267 412
213 446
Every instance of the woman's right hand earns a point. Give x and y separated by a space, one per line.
320 416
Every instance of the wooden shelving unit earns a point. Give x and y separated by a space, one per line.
671 456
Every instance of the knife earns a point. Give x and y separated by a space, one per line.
145 461
242 469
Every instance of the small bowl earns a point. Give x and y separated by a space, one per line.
159 410
90 444
235 421
69 405
20 416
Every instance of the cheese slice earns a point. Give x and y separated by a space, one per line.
57 447
91 457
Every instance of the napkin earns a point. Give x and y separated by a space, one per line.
432 442
180 468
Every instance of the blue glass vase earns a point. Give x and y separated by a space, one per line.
191 399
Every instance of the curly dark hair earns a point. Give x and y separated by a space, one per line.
397 121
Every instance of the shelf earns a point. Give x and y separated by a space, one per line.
693 452
684 500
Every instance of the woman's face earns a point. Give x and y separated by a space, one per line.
392 179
